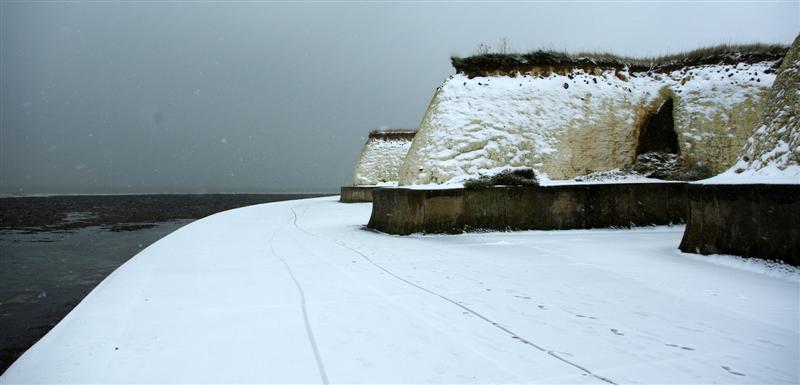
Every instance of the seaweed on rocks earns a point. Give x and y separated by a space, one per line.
510 177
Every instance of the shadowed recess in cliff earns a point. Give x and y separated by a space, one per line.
658 132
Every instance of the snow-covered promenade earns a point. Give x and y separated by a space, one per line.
298 292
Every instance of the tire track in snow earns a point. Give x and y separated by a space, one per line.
413 314
309 331
454 302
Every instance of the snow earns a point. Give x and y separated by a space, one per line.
433 186
767 174
298 292
610 177
543 181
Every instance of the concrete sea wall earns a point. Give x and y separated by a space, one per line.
356 194
752 220
406 211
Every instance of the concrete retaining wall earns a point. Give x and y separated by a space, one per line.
355 194
747 220
405 211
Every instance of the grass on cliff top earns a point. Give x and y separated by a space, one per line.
484 64
393 133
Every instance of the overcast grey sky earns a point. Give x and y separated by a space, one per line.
150 96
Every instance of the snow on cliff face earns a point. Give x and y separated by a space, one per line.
380 160
772 154
566 125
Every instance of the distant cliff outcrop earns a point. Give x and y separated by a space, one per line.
381 157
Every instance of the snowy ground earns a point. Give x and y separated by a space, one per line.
297 292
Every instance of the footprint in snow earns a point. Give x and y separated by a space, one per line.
731 371
521 297
680 347
585 316
617 332
770 343
541 307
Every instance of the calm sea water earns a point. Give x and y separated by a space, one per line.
46 270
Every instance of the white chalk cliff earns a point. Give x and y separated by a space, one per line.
772 153
381 157
567 123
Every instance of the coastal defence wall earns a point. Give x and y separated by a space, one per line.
752 220
356 194
406 211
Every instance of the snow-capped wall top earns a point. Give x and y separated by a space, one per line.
510 64
772 154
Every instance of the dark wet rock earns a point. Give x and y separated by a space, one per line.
66 213
512 177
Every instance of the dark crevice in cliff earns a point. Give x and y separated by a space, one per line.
657 151
657 133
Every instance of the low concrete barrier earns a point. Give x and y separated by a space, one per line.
355 194
748 220
406 211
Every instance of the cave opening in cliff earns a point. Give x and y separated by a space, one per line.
657 133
